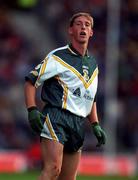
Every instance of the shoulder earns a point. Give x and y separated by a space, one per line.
58 51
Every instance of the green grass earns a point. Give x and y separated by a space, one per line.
34 175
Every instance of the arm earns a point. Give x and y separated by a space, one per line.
97 130
36 118
43 71
93 117
30 94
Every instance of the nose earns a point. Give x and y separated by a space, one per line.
83 26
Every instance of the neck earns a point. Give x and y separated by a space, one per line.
81 48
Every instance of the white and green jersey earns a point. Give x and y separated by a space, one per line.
69 80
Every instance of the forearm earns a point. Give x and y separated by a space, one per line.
97 130
30 94
93 117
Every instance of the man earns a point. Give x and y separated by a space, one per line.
69 78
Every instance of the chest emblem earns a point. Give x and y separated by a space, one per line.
85 70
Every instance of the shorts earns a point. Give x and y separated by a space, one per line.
63 126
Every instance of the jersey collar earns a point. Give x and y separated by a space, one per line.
74 51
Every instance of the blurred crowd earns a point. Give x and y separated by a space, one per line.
17 57
128 75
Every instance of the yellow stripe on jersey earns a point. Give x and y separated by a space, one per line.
65 92
41 71
43 67
65 97
92 77
86 84
72 69
53 135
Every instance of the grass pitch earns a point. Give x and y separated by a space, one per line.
34 175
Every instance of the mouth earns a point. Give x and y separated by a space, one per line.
83 34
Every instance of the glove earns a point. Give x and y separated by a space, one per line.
99 133
36 119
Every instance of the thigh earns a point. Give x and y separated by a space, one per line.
69 166
52 152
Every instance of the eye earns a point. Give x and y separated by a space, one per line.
87 24
78 23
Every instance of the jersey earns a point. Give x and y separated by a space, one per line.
69 81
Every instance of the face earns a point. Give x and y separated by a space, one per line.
81 30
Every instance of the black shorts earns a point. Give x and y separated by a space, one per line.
62 126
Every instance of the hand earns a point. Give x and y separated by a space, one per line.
36 119
99 133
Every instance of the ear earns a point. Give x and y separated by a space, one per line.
91 33
70 31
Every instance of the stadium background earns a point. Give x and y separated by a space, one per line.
29 29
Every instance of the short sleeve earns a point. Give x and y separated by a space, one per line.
43 71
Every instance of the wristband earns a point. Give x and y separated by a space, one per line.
32 108
95 123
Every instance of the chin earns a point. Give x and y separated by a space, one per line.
83 41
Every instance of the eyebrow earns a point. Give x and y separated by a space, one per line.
87 21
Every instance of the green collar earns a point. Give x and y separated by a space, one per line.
74 51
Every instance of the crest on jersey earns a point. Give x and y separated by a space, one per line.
85 70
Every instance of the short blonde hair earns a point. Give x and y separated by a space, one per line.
72 19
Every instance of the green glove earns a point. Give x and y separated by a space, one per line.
99 133
36 119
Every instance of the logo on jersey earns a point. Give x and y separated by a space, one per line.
77 92
35 73
85 73
87 96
